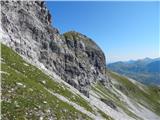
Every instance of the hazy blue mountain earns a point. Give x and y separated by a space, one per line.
145 70
153 67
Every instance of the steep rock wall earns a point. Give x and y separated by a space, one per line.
73 56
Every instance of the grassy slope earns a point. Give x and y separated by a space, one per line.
148 96
30 99
24 96
107 95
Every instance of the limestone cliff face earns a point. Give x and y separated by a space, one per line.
26 28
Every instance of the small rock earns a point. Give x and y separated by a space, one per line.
9 91
44 82
41 118
12 89
24 86
109 103
16 104
25 64
45 102
20 84
48 110
30 89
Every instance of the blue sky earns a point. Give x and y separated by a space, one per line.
124 30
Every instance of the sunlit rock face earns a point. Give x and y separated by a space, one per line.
26 28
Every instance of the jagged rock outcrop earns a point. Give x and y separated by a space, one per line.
73 56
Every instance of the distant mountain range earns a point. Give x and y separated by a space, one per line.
145 70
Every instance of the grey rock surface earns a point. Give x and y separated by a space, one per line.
73 56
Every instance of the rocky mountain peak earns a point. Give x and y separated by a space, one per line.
26 28
73 35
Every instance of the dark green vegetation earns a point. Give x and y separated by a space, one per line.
24 93
146 71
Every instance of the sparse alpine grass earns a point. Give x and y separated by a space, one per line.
24 96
